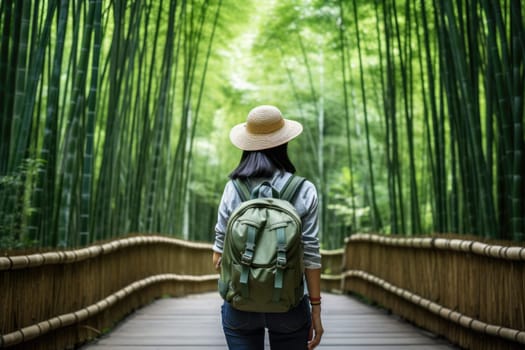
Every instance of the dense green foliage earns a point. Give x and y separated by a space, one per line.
114 115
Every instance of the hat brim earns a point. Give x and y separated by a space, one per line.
247 141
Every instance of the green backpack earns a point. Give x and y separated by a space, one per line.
262 261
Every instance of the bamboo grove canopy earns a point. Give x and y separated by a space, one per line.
114 115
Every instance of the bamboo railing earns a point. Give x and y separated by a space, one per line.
332 267
469 292
58 300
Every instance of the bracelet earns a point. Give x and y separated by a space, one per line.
314 299
315 303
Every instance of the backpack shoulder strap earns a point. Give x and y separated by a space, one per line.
242 189
290 188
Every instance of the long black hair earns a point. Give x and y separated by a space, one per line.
263 163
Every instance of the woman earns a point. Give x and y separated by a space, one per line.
263 139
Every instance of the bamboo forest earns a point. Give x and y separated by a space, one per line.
115 115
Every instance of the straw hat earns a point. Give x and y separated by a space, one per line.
265 128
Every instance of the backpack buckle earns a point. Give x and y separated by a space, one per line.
281 256
281 262
247 256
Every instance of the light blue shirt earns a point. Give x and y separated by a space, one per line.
305 202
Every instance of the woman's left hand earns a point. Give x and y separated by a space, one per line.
217 257
316 331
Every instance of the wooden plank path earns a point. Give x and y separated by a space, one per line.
194 323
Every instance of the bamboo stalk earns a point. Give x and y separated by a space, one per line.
343 44
376 217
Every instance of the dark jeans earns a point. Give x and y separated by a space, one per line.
287 331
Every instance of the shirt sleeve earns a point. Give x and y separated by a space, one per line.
307 203
229 201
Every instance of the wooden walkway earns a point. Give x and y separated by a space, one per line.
194 323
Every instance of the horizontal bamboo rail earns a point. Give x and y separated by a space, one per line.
332 266
64 257
471 292
57 300
459 245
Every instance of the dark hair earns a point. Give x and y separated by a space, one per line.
263 163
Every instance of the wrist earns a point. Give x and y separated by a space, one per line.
314 300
